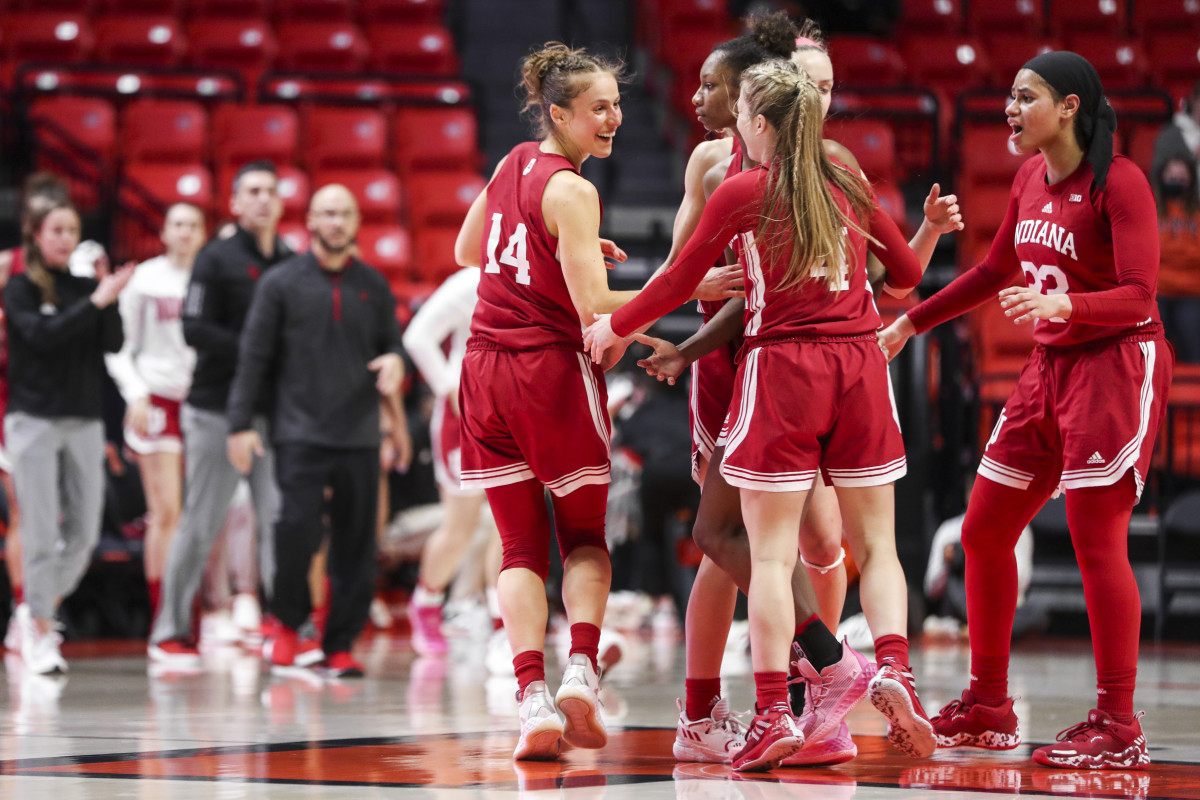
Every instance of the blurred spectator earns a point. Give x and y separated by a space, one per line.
41 191
59 326
656 431
318 329
1174 184
1180 138
946 588
223 283
153 370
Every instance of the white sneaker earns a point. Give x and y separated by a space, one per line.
247 614
499 655
541 727
712 739
856 631
40 651
12 637
218 627
579 703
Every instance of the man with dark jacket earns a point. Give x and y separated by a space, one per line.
320 326
223 283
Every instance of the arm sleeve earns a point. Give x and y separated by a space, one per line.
122 364
976 285
1129 206
203 317
903 269
259 342
45 333
674 287
448 310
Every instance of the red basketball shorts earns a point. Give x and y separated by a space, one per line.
803 406
163 433
445 434
1081 416
713 379
533 414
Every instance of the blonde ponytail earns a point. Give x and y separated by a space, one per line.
799 210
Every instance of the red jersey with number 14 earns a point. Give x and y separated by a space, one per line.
523 298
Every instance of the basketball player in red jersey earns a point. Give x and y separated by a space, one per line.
808 322
533 405
837 674
1081 226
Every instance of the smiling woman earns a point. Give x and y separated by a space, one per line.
535 229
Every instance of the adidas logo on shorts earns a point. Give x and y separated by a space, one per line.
1096 458
1048 208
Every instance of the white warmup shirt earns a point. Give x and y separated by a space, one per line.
155 359
445 315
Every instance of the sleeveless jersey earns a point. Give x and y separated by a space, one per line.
810 309
523 298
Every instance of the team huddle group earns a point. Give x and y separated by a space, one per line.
795 432
796 438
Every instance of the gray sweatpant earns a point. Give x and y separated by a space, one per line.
58 473
209 484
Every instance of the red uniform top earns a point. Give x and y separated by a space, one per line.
1100 246
523 299
810 309
710 307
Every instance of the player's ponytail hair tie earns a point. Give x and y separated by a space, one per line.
1070 73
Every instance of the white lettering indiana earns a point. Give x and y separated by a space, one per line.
1046 233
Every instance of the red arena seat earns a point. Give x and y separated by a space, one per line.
1120 60
164 130
867 60
321 46
442 198
439 138
344 137
145 40
373 11
165 184
47 36
871 141
412 49
388 248
1071 16
249 133
247 45
377 191
87 121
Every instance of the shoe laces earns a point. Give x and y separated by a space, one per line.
726 720
951 709
1077 731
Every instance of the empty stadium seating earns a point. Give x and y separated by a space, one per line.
378 191
149 40
321 46
164 130
345 137
249 133
436 138
415 49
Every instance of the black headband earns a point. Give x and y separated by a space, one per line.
1070 73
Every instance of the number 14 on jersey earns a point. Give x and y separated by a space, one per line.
515 253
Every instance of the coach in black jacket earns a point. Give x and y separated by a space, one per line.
322 334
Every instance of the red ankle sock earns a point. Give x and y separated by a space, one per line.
1115 696
892 648
702 695
989 679
585 638
154 590
530 666
770 688
19 594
